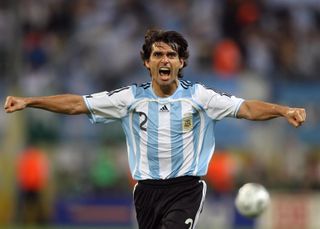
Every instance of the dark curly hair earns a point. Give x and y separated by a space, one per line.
172 38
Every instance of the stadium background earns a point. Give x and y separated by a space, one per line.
266 50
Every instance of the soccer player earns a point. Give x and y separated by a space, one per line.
169 126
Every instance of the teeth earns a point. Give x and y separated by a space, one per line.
164 68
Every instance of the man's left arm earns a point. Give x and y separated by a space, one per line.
259 111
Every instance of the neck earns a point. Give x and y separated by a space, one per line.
165 90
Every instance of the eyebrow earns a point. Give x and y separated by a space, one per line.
172 53
159 52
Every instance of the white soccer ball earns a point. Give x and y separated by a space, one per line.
252 199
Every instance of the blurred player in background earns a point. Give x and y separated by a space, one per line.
169 126
32 174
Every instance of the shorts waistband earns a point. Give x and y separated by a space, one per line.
170 181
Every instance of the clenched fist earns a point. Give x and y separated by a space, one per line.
296 116
13 104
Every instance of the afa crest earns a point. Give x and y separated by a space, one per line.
187 123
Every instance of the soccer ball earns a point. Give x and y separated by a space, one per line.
252 199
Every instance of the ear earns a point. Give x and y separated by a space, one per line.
181 63
146 63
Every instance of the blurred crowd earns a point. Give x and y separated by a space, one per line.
84 46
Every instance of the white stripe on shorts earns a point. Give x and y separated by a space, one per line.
204 191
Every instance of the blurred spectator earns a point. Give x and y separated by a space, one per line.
32 172
104 173
258 51
312 171
248 12
221 172
227 58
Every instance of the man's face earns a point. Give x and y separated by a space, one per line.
164 64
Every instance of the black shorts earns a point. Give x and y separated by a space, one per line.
169 204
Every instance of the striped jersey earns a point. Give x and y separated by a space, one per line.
166 137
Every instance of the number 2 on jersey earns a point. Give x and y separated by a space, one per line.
144 121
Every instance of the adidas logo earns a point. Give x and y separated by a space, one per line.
164 109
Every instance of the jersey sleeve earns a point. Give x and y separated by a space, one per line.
106 106
217 105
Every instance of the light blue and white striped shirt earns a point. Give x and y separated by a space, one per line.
166 137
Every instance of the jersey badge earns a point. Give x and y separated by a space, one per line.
187 123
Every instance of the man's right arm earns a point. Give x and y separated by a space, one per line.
66 104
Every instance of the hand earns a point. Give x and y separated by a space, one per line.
296 116
13 104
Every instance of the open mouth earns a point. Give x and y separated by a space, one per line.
164 71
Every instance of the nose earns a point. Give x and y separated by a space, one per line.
165 59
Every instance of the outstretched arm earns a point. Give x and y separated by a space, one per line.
259 110
65 104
